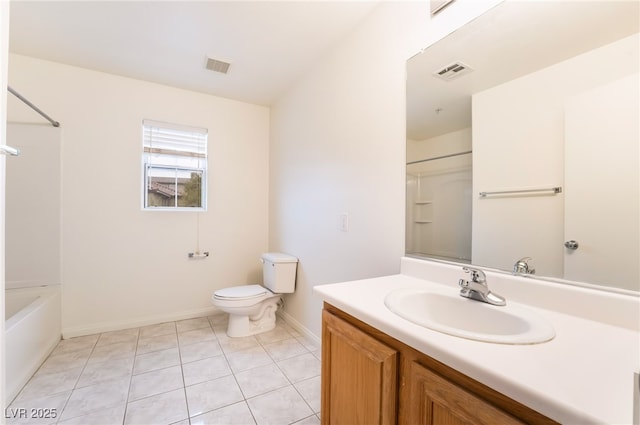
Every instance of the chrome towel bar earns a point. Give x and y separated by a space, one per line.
8 150
551 190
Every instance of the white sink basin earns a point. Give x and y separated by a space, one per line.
446 311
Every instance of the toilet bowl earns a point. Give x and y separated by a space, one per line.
252 308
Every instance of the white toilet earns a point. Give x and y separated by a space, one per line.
252 308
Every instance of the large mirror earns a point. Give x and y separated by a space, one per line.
522 141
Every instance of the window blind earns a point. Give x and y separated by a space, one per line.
172 139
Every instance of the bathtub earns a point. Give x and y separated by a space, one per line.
32 330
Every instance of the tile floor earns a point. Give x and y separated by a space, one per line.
185 372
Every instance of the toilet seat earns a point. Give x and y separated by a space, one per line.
243 292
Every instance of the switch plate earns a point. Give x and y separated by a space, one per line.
343 223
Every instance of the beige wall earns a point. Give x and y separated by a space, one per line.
518 131
338 146
32 196
122 266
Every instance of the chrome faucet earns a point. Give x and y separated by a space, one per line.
522 267
477 289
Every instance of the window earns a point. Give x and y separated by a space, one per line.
175 166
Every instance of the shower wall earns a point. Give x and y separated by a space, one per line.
33 206
439 214
439 183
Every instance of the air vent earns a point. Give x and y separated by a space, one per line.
452 71
217 66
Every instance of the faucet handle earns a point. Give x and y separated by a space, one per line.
522 266
477 275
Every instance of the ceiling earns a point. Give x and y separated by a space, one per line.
511 40
269 44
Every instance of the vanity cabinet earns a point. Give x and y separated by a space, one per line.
371 378
360 379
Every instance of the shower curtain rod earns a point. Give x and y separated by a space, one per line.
438 157
34 107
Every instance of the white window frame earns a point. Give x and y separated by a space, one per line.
173 148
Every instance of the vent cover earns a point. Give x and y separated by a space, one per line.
452 71
217 66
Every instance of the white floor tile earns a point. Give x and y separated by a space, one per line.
48 409
111 415
205 370
231 345
285 349
211 395
114 351
157 343
282 406
155 382
138 376
310 390
309 344
125 335
96 397
64 361
260 380
191 324
311 420
248 359
161 409
75 344
301 367
96 373
277 334
156 360
197 335
51 383
199 350
235 414
157 330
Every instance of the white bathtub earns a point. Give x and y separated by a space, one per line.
32 330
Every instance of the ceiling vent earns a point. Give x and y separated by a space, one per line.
452 71
217 66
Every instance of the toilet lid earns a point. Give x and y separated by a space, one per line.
241 292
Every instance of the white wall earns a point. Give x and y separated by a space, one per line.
33 195
4 55
338 146
123 266
524 119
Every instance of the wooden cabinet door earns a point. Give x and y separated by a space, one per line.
359 376
435 400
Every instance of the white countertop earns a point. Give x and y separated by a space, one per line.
584 375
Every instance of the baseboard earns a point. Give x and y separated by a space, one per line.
291 321
116 325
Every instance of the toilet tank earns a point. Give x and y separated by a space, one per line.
279 272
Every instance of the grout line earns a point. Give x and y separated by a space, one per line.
184 383
84 366
135 354
283 329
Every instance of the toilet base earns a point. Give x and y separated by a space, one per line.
244 325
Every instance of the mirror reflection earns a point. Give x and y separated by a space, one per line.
522 143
